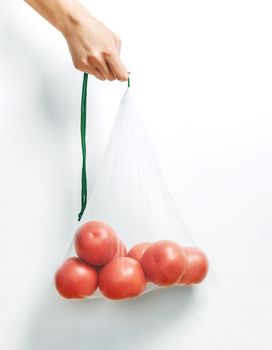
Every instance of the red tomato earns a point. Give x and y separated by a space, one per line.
121 249
164 262
197 266
121 252
137 251
96 243
121 278
76 279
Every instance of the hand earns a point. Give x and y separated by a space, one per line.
94 48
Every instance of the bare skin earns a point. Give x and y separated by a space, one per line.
94 48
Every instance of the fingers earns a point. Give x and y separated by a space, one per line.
116 65
109 68
104 66
98 63
95 72
105 70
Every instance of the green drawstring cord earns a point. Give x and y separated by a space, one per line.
83 144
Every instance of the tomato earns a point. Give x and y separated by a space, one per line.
121 278
137 251
164 262
76 279
96 243
121 249
197 266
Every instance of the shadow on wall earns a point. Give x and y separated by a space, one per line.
51 92
53 100
102 325
50 117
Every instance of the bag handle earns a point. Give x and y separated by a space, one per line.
83 118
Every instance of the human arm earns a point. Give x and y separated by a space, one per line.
94 48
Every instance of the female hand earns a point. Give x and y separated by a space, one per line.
94 48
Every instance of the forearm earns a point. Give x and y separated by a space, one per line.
60 13
94 48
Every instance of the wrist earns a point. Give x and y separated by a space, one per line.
73 18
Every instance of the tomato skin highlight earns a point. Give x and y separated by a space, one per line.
121 278
164 262
137 251
96 243
198 266
76 279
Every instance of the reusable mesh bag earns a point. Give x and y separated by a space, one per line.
132 199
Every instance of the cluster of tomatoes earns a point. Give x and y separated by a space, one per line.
103 261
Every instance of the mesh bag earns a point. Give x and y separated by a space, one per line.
131 239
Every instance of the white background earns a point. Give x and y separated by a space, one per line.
202 76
